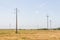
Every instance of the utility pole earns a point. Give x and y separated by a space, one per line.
9 26
47 21
16 22
50 24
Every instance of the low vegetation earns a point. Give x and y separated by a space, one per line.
30 35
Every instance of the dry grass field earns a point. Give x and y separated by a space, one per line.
30 35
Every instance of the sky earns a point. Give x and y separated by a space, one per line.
31 14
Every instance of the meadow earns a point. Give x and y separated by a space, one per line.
29 34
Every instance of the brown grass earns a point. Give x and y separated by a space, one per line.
30 35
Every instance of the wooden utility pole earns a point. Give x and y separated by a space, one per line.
16 22
47 21
9 26
50 25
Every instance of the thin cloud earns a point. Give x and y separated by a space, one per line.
43 4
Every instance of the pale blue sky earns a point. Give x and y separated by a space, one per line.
31 13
